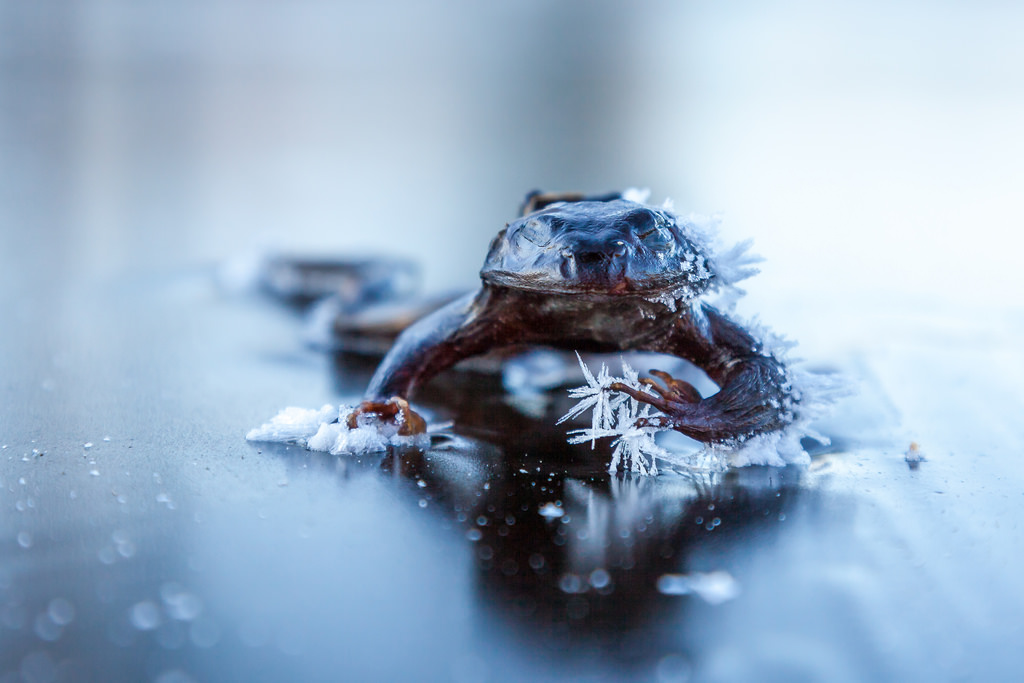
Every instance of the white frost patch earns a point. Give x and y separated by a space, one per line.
714 587
326 430
293 425
729 264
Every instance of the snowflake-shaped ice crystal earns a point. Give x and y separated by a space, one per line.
615 415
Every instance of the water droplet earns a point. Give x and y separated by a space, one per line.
570 583
423 502
422 484
481 521
88 444
180 603
94 473
61 611
474 535
25 539
536 561
106 438
145 615
599 578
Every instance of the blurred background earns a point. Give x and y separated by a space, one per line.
874 152
869 149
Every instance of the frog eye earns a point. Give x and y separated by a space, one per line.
535 232
656 238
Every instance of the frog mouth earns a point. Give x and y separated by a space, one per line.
592 283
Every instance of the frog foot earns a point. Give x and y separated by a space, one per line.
395 410
675 399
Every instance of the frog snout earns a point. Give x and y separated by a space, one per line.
600 263
592 258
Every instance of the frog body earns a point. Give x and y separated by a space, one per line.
602 274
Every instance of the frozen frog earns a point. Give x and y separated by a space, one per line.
599 274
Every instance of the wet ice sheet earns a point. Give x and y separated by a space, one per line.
892 250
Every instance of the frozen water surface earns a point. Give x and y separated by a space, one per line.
876 169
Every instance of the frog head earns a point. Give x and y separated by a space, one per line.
615 247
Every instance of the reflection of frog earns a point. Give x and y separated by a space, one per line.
598 274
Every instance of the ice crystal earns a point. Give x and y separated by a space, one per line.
596 396
615 415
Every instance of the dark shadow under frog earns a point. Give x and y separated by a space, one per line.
599 274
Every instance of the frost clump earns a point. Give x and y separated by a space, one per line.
327 430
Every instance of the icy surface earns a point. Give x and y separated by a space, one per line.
326 430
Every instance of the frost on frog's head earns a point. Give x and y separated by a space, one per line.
622 246
618 247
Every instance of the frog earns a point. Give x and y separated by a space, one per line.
599 273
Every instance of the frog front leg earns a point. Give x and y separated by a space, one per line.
755 395
466 327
